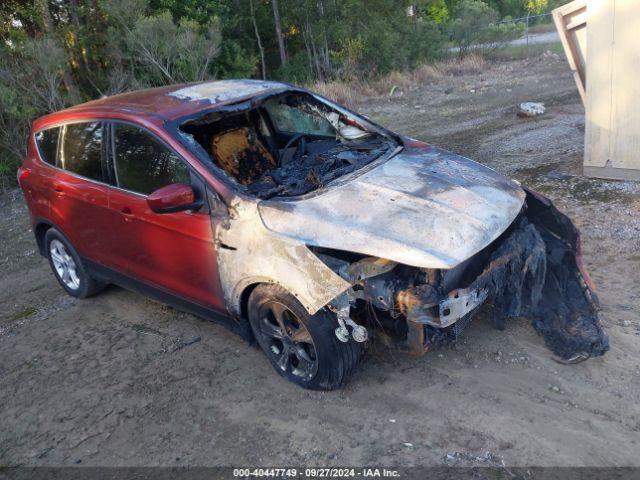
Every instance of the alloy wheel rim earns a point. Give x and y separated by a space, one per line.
288 342
64 264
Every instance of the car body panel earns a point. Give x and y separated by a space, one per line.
80 209
424 207
174 251
248 253
172 101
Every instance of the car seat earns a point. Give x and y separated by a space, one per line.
241 154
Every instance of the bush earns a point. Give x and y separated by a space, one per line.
384 48
498 35
31 83
476 24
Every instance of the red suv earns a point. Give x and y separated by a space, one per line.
299 224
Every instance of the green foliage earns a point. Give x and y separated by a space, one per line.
30 84
470 23
476 24
537 6
54 53
497 35
350 57
438 11
200 11
234 62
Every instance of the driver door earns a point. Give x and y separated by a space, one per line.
174 252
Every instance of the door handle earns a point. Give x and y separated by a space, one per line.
58 190
128 214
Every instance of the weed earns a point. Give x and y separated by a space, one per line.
24 313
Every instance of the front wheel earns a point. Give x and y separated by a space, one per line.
301 347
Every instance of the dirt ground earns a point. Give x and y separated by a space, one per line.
111 380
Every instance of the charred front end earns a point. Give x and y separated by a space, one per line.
438 236
533 270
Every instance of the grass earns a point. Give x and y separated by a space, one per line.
542 27
524 51
352 92
7 170
24 313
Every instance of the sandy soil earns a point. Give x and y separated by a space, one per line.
108 380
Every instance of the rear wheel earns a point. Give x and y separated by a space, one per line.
68 268
301 347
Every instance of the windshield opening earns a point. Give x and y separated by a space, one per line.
288 145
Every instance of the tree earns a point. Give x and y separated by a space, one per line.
278 23
263 69
471 19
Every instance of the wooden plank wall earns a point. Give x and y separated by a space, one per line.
570 21
612 136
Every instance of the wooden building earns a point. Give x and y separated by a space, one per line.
606 69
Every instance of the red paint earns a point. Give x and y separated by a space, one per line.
117 229
173 251
413 143
172 196
23 174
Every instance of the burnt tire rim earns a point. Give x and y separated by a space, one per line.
64 264
287 341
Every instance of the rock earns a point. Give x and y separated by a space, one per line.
531 109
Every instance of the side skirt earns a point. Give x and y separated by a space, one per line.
100 272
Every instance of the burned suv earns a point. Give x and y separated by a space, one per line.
298 224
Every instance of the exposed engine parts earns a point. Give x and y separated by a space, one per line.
533 270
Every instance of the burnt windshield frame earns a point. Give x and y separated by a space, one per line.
219 111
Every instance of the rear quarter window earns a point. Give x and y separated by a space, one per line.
47 141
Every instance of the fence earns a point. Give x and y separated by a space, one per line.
527 21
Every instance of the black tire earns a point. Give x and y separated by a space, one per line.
87 285
334 360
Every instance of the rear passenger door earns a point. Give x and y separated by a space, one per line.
77 188
172 251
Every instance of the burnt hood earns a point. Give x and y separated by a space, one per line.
424 207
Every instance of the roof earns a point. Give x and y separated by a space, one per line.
175 101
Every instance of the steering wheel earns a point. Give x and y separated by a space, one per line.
301 144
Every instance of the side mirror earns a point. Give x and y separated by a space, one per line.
173 198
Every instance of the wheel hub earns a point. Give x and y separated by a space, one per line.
287 341
64 265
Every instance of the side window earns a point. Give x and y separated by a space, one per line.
295 120
142 163
81 149
47 141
